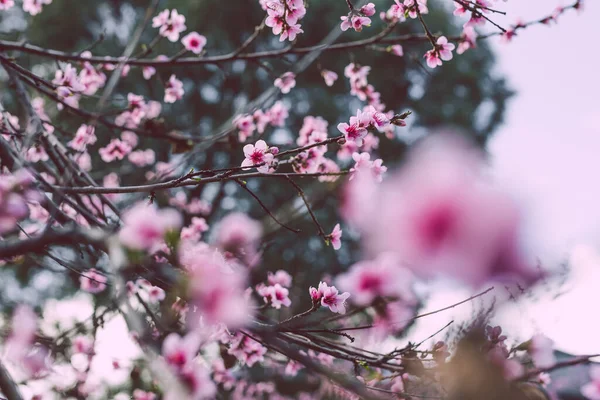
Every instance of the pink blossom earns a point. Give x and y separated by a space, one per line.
277 114
82 344
261 119
286 82
246 350
468 40
442 51
396 50
329 76
142 158
180 351
434 213
281 277
34 7
276 295
83 137
352 132
368 10
292 368
169 26
245 124
283 20
410 7
380 278
355 22
259 154
36 153
336 237
92 281
139 394
194 231
194 42
541 351
144 226
237 235
173 90
148 72
214 288
115 150
130 138
591 390
332 299
6 4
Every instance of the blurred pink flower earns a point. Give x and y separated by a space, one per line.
144 226
441 216
237 236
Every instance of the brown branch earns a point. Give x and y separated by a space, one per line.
264 207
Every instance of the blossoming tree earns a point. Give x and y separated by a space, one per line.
181 229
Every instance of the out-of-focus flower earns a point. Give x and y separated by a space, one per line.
144 226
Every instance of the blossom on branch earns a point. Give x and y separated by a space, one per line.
194 42
170 24
286 82
259 155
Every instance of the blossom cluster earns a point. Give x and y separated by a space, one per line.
16 190
247 124
283 17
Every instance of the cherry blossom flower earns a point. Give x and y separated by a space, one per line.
115 150
237 235
15 192
34 7
382 277
336 237
276 295
82 344
281 277
180 351
356 22
194 42
83 137
144 226
170 26
222 375
173 90
368 10
353 132
22 334
139 394
142 158
468 40
194 231
92 281
433 211
442 51
6 4
410 7
245 124
541 351
216 288
259 154
331 298
277 114
396 50
329 76
591 390
246 350
283 19
286 82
